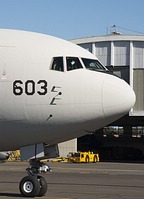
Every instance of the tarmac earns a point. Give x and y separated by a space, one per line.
79 181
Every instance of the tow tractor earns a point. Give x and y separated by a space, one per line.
86 157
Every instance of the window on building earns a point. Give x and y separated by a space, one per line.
115 131
137 131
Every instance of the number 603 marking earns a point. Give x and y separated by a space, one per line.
29 87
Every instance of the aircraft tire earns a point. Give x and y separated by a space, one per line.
29 186
43 186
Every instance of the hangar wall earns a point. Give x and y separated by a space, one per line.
66 147
124 55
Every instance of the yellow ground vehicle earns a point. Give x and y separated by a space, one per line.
83 157
14 155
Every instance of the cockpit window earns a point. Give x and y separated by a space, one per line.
73 63
93 64
57 64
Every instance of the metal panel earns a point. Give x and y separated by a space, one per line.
32 151
121 71
138 56
121 53
87 46
139 90
103 52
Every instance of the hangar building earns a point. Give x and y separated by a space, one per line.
124 56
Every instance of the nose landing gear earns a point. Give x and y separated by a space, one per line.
34 184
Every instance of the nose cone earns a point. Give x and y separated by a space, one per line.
118 98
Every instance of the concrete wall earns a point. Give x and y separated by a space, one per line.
66 147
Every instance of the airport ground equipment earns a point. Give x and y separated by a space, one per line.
14 155
86 157
60 159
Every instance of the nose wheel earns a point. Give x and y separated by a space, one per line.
43 186
34 184
29 186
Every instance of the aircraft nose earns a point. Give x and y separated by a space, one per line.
118 98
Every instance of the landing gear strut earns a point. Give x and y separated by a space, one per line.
34 184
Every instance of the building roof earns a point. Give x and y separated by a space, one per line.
111 37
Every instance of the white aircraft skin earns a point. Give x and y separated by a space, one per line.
41 105
74 102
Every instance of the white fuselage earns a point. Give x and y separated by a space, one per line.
40 105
